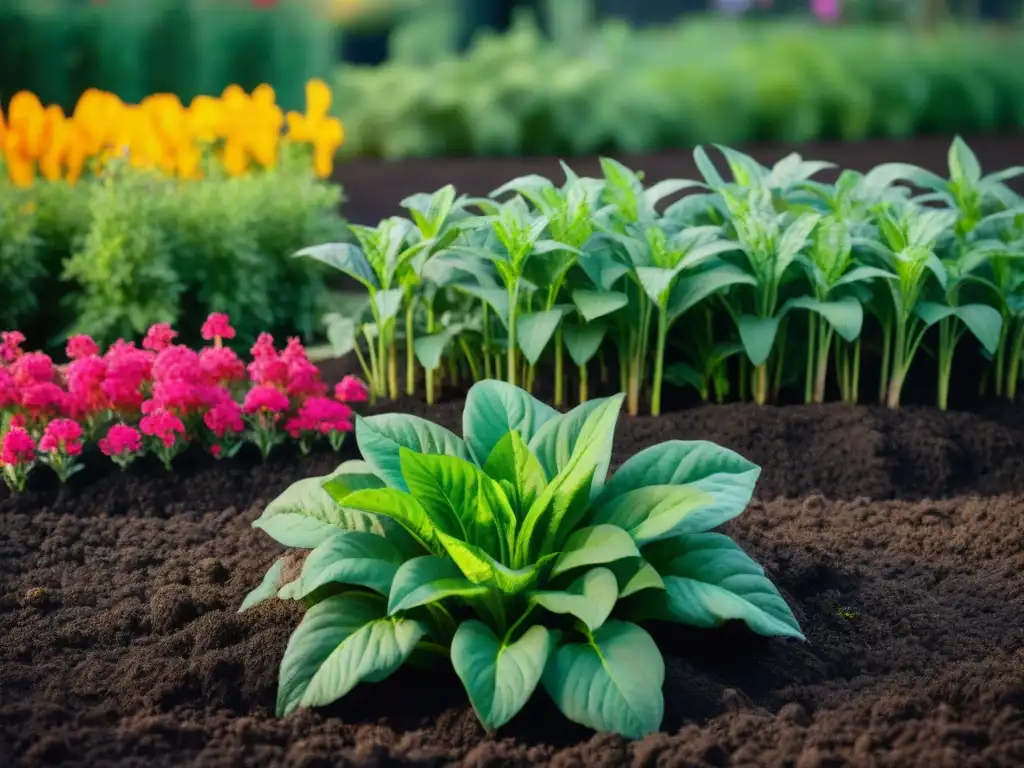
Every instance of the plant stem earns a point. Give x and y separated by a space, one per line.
393 371
410 356
602 364
1013 370
946 347
855 375
761 384
825 334
430 377
559 369
812 330
659 361
474 366
584 394
510 364
487 340
883 382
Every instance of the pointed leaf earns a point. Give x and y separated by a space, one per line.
267 588
694 288
499 677
351 557
595 545
590 598
381 437
480 568
846 315
656 282
595 304
582 342
426 580
396 505
534 331
612 683
964 167
708 581
345 257
758 336
659 511
861 274
512 462
641 576
493 409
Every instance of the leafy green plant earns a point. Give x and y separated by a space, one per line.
513 553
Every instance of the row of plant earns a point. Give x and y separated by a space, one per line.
512 554
616 89
764 277
58 49
161 398
156 212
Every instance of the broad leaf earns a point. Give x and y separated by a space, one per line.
590 598
964 167
636 576
381 437
495 408
499 677
346 258
793 241
461 501
595 545
611 683
388 304
349 557
695 287
583 341
342 641
480 568
983 321
846 315
511 461
709 580
396 505
426 580
595 304
862 274
658 511
758 336
656 282
430 349
725 475
267 588
534 332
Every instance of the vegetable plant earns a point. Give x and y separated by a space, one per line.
512 552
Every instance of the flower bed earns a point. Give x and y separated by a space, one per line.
161 212
159 399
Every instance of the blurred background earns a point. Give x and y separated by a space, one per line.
427 78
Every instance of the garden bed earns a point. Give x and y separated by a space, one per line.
897 537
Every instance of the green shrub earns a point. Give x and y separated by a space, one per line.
623 90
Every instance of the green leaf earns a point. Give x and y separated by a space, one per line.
964 167
983 321
267 588
555 443
480 568
350 557
345 257
388 304
595 545
682 374
381 437
708 581
430 349
395 505
583 341
512 462
495 408
534 332
595 304
426 580
560 507
341 642
725 475
656 282
640 575
500 677
695 287
461 501
862 274
611 683
658 511
758 336
590 598
793 241
846 315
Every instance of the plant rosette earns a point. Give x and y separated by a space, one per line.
511 551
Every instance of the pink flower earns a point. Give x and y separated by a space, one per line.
18 448
45 397
825 10
120 440
85 376
159 337
8 389
265 399
81 346
33 368
351 390
62 435
216 450
267 367
128 370
303 376
321 415
162 425
220 365
224 418
10 346
176 362
218 327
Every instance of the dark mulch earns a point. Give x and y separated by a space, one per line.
374 189
897 537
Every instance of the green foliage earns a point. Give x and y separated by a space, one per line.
607 269
622 90
531 567
58 48
131 248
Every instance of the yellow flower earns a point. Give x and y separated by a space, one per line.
27 119
318 99
206 118
235 158
329 136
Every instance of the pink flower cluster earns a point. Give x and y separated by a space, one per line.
163 396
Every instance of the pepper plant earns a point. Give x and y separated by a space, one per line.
512 553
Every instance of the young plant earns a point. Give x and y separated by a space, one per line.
17 457
60 448
122 445
512 553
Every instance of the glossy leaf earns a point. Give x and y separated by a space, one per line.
758 336
429 579
595 304
267 588
345 257
493 409
349 557
381 437
512 462
590 598
658 511
534 331
595 545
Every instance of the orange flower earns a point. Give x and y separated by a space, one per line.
27 118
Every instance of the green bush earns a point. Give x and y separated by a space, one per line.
114 254
58 48
622 90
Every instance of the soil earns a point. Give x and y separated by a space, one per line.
374 189
898 538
